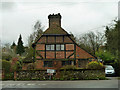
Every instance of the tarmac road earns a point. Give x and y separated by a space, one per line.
113 83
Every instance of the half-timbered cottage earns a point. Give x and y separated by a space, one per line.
55 48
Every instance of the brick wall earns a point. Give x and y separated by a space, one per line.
50 54
69 46
40 65
69 53
51 39
42 40
60 54
42 53
40 47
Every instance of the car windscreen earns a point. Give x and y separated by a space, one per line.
109 68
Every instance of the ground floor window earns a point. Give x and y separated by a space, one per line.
48 63
66 63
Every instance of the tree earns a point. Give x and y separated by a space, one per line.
111 35
106 56
6 65
38 31
112 43
6 52
20 48
91 41
13 45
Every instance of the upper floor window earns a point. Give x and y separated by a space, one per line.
50 47
60 47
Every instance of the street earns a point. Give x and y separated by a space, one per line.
113 83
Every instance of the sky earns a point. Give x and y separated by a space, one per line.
78 16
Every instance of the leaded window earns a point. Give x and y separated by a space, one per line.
66 63
59 47
50 47
48 63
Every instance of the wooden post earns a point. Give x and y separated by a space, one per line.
3 74
76 63
57 74
15 75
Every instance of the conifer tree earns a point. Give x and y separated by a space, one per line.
20 47
13 45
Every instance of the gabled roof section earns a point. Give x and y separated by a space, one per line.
55 30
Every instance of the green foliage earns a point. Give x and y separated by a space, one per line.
84 74
16 66
105 56
6 57
19 65
13 45
95 65
9 76
116 66
69 67
6 65
29 56
31 66
20 48
111 34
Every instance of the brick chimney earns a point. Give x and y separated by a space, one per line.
54 20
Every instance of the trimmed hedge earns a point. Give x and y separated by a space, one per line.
82 74
64 74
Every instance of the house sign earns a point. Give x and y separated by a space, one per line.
50 71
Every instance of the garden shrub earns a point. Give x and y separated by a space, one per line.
116 66
6 57
9 76
95 65
6 65
31 66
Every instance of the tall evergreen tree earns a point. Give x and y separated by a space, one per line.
111 34
13 45
20 47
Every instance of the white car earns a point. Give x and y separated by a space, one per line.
109 70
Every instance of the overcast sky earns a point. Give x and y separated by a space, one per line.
78 16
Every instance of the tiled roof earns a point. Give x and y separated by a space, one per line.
55 30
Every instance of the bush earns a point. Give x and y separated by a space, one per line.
116 65
31 66
95 65
105 56
6 57
69 67
6 65
9 76
16 66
